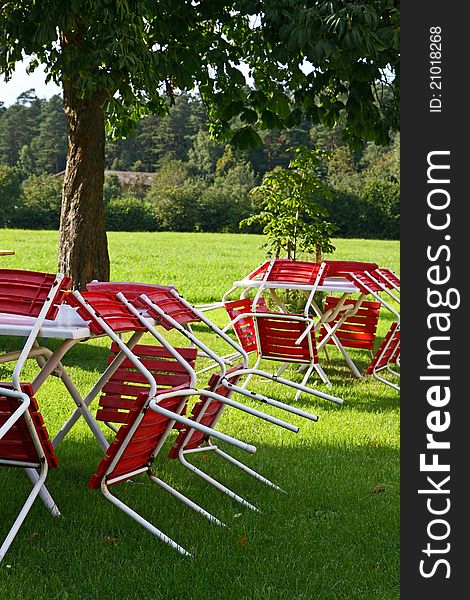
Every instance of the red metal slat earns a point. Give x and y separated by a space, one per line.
203 408
18 440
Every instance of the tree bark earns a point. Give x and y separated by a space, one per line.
83 246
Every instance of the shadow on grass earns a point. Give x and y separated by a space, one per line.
334 535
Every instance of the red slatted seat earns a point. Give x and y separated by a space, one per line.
106 306
138 453
293 271
388 353
358 330
25 292
128 383
275 336
172 306
277 340
17 445
160 294
387 277
131 289
341 268
244 328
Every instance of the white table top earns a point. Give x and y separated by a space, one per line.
66 326
330 284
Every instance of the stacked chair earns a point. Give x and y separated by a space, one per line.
388 352
148 388
24 440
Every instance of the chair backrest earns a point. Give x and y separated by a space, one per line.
388 351
244 328
137 440
109 308
365 282
17 444
276 338
387 277
206 411
358 330
171 305
293 271
130 289
341 268
25 292
127 383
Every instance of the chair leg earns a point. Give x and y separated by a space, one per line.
24 511
44 494
248 470
255 366
281 369
308 372
185 500
324 377
139 519
216 483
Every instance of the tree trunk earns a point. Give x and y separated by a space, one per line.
83 246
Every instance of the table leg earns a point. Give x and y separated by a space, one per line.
338 344
83 403
47 499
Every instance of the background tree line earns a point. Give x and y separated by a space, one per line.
198 184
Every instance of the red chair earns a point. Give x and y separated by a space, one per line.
388 354
24 441
356 328
278 337
27 292
134 451
207 411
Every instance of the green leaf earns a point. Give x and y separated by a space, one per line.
246 137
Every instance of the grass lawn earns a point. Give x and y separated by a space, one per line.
334 535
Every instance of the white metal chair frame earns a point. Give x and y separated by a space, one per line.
376 370
153 404
38 479
240 352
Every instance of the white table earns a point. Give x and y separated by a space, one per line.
69 327
330 284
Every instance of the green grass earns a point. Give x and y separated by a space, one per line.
334 535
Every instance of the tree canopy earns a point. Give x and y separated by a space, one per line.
257 64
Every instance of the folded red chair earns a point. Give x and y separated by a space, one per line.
279 337
358 328
24 441
207 411
151 415
388 354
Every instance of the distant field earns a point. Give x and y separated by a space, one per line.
333 536
201 265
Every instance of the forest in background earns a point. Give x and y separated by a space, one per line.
197 184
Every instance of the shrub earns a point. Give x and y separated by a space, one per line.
177 209
10 190
382 208
41 197
129 214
